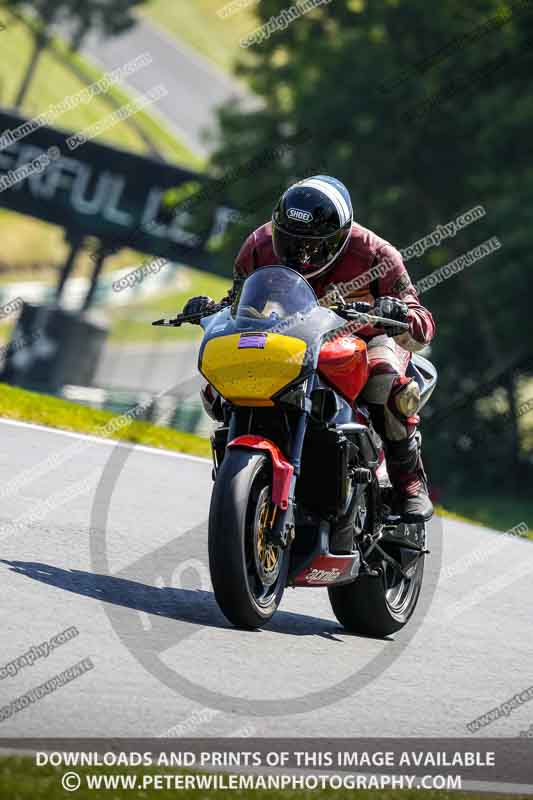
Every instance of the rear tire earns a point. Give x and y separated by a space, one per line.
368 607
247 591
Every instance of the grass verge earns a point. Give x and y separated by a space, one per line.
20 779
498 512
53 412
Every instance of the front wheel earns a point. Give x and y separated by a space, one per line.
248 575
378 605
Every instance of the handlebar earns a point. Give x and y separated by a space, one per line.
343 311
194 319
370 319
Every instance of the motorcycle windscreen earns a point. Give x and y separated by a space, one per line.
268 341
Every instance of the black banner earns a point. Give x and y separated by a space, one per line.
456 763
96 190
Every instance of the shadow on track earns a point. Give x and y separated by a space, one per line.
187 605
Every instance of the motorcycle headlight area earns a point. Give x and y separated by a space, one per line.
250 368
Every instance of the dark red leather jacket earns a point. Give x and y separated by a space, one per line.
369 267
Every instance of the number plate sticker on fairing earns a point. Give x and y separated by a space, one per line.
254 340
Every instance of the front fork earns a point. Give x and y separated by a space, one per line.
283 532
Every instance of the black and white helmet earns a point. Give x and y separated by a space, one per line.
311 224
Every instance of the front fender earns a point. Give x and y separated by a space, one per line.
282 470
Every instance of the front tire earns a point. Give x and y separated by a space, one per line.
248 576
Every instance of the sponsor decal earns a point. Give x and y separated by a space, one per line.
299 215
323 575
254 340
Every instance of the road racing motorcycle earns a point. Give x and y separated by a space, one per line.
301 495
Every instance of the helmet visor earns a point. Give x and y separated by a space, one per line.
306 253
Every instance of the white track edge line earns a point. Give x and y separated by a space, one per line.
142 448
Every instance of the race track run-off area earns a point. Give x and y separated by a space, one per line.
112 540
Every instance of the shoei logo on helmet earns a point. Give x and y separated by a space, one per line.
301 216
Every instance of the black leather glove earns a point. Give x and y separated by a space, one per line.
394 309
359 305
198 305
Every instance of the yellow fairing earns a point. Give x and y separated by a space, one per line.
250 376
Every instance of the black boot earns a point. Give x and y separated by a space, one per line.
408 479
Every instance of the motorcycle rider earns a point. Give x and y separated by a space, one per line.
313 231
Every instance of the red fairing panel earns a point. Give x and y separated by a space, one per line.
343 362
282 470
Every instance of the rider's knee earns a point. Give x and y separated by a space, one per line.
406 396
400 411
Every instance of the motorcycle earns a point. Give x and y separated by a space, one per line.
301 495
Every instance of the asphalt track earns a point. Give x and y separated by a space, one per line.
126 564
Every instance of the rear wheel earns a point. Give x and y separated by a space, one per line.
378 605
247 573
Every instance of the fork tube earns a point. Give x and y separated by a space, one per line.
301 429
232 427
298 442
